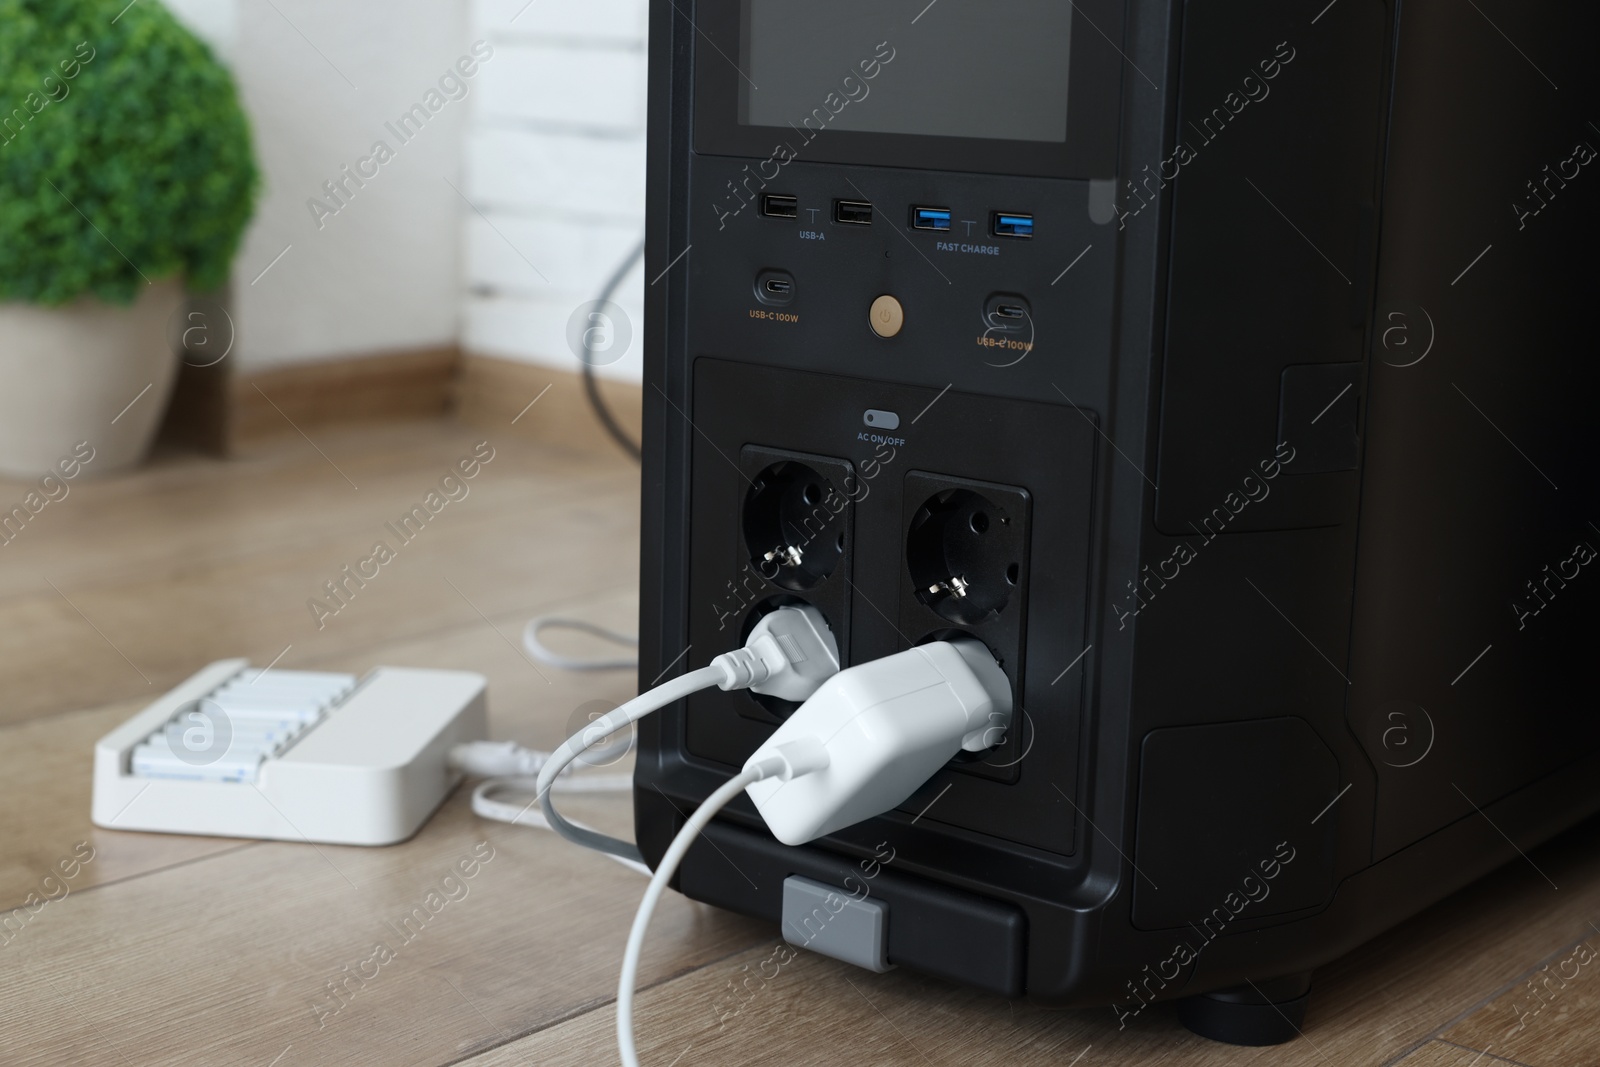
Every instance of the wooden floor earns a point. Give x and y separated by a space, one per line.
174 950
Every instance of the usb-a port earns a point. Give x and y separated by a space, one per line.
1007 224
852 212
930 218
780 207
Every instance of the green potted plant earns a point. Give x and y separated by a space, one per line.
126 173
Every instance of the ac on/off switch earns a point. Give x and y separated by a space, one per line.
887 316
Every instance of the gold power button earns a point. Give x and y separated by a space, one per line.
887 316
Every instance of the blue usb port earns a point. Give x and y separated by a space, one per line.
1007 224
930 218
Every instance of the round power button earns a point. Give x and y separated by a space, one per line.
887 316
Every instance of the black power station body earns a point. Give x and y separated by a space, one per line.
1224 367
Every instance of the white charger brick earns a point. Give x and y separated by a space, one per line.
596 88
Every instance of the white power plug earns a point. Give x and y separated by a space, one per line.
887 727
863 743
789 653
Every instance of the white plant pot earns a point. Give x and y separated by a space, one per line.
70 373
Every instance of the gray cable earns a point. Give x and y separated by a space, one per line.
589 736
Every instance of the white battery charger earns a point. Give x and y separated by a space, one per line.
290 755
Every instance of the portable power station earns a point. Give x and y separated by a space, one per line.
1226 368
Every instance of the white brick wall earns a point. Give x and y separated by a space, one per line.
570 173
555 161
567 85
593 20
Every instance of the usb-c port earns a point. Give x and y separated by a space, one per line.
780 207
852 212
1008 313
775 288
930 218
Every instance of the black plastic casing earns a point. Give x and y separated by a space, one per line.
1301 445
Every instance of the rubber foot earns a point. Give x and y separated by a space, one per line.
1269 1014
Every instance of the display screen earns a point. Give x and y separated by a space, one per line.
974 69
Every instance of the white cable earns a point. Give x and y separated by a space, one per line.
507 759
864 741
789 654
506 765
605 726
658 884
486 806
497 759
800 757
544 654
566 786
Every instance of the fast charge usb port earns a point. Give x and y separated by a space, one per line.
1011 224
852 212
930 218
780 207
